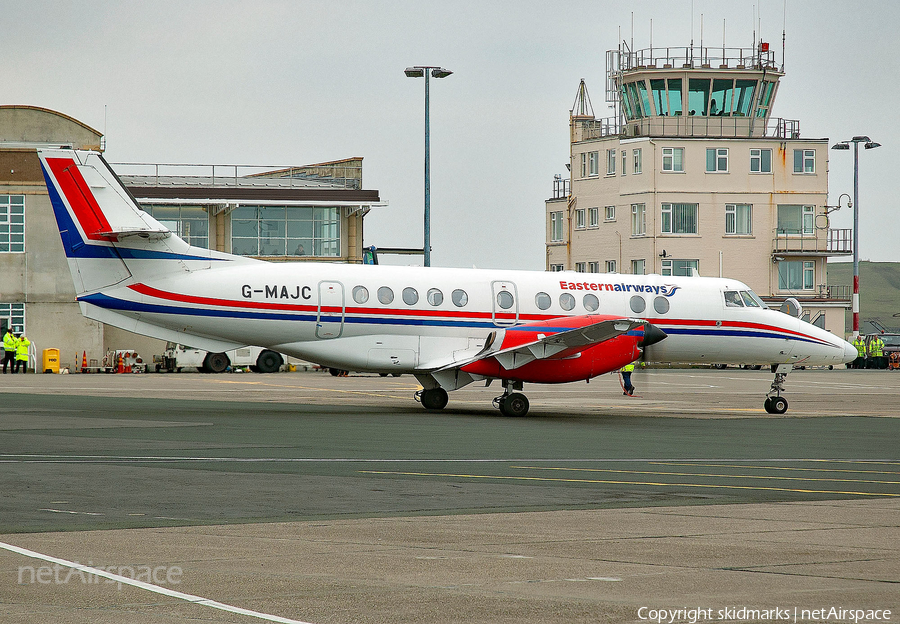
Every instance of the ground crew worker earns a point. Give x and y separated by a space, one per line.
22 354
9 350
860 344
626 378
876 352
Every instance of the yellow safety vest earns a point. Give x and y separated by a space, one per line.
876 346
22 349
860 344
9 342
628 368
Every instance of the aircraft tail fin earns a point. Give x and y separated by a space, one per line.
106 236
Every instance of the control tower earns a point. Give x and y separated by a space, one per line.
694 174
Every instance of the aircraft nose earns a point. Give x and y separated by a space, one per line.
850 353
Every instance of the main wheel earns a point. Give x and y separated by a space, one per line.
779 405
216 362
434 398
768 405
269 361
515 404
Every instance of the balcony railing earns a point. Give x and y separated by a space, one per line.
560 187
818 242
695 57
692 126
836 293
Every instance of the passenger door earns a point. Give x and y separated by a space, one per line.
330 318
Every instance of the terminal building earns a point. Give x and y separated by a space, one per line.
293 214
694 176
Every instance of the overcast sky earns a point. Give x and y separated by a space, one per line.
290 83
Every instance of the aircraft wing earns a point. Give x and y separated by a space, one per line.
524 343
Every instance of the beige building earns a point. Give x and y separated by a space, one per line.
296 214
695 175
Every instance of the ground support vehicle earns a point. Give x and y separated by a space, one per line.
178 357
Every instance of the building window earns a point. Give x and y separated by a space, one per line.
556 268
717 160
584 168
593 164
760 161
580 267
624 161
12 315
556 227
611 162
739 219
609 213
684 268
796 219
593 217
593 267
12 223
679 218
610 266
579 219
191 223
673 159
796 275
638 267
638 219
286 230
804 161
636 166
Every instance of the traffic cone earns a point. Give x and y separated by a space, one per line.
121 367
83 360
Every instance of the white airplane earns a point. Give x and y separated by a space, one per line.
448 327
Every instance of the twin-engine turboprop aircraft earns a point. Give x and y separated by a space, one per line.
448 327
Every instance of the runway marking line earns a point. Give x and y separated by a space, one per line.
612 482
705 474
198 600
888 472
355 392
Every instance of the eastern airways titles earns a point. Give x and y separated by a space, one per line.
274 291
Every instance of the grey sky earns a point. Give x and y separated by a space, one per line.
300 82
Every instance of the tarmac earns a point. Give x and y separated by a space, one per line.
308 498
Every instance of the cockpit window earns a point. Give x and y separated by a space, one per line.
749 295
749 301
733 299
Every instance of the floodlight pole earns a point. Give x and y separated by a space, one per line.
427 71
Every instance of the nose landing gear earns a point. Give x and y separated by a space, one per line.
777 404
512 403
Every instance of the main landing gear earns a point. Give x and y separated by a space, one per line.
777 404
511 402
432 398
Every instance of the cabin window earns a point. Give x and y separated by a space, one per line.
590 302
410 296
385 295
566 301
505 299
638 304
459 298
435 297
542 301
661 305
733 299
360 294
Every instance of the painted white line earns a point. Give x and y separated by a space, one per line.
149 586
66 511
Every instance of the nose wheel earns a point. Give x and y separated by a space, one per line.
775 403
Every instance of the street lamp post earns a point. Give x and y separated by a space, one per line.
418 72
845 145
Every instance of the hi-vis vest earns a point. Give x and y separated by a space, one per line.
628 368
9 342
22 349
876 346
860 344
